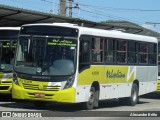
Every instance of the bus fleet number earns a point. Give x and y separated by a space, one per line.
95 73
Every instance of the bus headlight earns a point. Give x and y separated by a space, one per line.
15 79
69 82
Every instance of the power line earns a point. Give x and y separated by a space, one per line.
94 11
104 14
102 9
124 9
46 1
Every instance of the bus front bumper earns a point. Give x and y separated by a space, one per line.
64 96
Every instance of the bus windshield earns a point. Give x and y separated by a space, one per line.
43 55
8 40
9 34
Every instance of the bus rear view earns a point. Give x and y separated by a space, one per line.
8 39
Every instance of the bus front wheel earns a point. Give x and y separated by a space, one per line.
133 99
93 99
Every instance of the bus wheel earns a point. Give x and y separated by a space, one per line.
93 99
133 99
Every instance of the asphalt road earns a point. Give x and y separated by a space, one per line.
109 109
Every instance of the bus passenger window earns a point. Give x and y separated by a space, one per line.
121 57
97 50
132 52
121 51
109 50
84 52
152 53
143 53
84 55
142 58
109 57
152 58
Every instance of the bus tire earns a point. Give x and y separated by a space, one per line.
93 99
133 99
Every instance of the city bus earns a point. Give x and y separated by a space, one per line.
8 38
67 63
158 85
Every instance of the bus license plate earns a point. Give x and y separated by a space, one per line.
39 95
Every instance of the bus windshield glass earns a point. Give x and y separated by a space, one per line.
44 55
9 34
8 39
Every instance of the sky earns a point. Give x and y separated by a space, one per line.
141 12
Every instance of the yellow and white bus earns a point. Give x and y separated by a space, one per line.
8 39
62 62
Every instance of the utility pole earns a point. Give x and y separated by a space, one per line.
62 8
70 8
53 6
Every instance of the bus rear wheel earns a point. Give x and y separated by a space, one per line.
133 99
93 99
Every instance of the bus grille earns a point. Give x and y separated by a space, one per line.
6 82
41 87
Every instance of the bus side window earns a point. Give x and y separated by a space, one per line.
97 50
132 52
84 54
121 51
109 57
152 53
130 60
109 51
143 53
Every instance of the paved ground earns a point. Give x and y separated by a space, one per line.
110 109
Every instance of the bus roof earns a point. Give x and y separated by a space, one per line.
10 28
101 32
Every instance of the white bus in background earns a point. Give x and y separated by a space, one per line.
67 63
8 41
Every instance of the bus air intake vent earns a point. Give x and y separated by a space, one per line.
41 87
